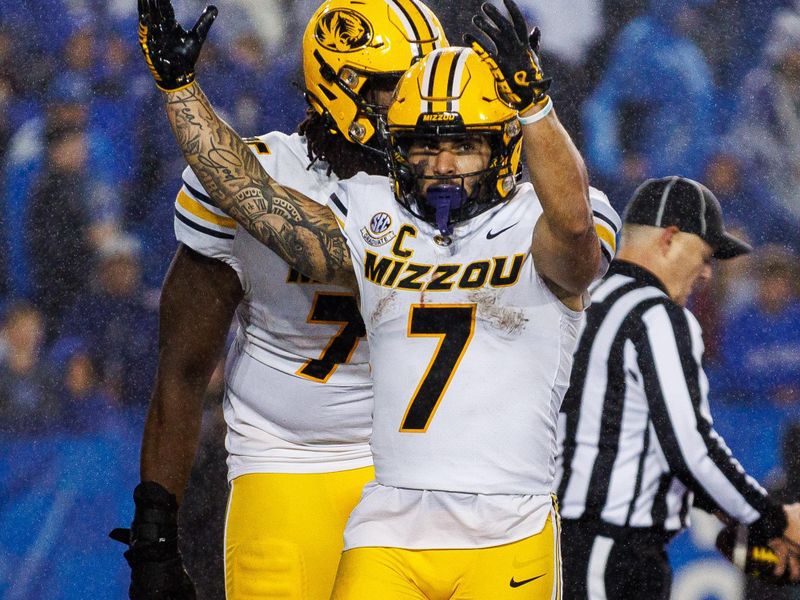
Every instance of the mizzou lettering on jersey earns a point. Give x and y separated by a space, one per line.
499 271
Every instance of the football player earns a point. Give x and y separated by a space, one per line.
478 284
472 290
298 401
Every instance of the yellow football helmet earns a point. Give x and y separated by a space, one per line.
452 92
349 43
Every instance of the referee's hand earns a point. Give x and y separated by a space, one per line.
788 547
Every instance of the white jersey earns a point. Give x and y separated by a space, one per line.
607 224
471 356
298 391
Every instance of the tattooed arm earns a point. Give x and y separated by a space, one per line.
296 228
301 231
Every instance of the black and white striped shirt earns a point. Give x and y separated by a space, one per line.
636 436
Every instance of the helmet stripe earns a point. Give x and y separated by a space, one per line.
411 25
427 17
456 77
436 35
426 106
442 80
450 80
422 23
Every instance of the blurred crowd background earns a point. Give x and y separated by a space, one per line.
708 89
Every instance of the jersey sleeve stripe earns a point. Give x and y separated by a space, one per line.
608 256
611 225
199 195
342 209
198 210
606 236
201 229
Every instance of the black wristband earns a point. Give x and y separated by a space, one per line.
151 494
155 520
770 525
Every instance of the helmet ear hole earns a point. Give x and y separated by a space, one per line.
357 130
349 77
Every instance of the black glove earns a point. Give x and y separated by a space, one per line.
514 63
751 555
157 571
170 50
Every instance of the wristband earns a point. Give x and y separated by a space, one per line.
771 524
539 115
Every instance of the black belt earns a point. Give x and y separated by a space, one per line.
638 536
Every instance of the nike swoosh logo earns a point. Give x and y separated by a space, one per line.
491 234
516 584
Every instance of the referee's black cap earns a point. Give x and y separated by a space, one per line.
688 205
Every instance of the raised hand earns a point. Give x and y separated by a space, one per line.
514 61
169 50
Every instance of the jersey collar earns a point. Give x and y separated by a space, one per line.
623 267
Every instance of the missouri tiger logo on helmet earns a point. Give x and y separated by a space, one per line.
351 46
452 92
342 31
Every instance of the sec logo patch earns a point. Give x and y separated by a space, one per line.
378 232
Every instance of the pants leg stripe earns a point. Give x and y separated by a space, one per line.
225 537
557 579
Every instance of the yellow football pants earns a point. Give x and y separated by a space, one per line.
528 569
284 533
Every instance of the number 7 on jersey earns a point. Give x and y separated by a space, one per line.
454 325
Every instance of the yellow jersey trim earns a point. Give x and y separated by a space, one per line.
198 210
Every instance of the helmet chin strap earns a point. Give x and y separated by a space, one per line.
443 198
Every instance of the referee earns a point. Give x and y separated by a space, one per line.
637 442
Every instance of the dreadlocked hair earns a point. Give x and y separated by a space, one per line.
344 158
